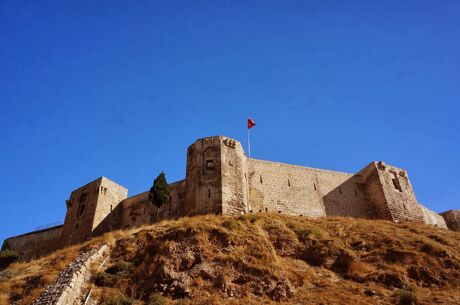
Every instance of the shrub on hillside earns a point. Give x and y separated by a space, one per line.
7 257
113 274
306 231
104 279
157 299
183 302
121 268
231 224
407 296
117 299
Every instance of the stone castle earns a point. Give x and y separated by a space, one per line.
220 179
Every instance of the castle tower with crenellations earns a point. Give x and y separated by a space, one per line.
220 179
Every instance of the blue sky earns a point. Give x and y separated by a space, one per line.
121 88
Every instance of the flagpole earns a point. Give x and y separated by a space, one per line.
249 144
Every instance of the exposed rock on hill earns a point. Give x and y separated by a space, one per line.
263 259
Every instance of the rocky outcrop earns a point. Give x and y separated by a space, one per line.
67 289
452 218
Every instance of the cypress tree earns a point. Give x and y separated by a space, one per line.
159 192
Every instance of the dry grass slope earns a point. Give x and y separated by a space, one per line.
23 282
262 259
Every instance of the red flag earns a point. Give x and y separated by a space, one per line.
251 123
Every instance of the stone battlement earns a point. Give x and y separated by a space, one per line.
220 179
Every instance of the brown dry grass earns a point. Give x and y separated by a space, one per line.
23 282
327 260
234 260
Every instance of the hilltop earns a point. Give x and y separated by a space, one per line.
258 259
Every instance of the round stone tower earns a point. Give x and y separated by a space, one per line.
215 177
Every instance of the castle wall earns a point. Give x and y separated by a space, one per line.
432 218
399 194
234 178
110 195
80 212
346 199
291 189
138 210
35 244
371 185
221 180
203 193
452 218
88 206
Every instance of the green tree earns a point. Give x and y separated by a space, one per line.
159 192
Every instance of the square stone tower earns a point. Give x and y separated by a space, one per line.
88 206
389 193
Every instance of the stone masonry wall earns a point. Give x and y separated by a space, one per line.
110 195
36 243
372 187
291 189
221 180
88 206
68 288
234 178
138 210
80 212
433 218
399 194
203 189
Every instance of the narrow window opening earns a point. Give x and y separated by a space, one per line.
261 181
210 164
76 226
396 182
209 193
81 205
110 208
340 190
314 186
356 192
266 210
289 183
82 210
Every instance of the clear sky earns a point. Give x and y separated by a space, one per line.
121 88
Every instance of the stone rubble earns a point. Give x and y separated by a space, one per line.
68 287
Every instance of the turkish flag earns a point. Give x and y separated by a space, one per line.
251 123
